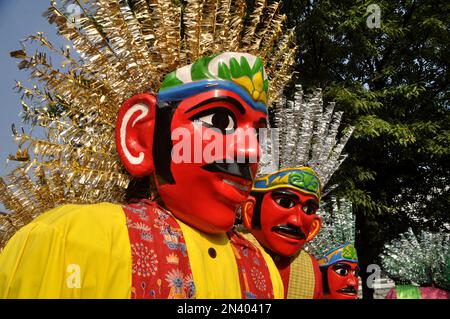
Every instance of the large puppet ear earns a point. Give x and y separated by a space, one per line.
134 134
315 228
247 212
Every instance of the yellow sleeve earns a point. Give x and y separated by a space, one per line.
73 251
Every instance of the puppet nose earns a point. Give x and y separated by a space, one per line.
352 280
296 219
244 147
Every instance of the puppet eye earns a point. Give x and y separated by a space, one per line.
341 271
221 119
309 208
285 202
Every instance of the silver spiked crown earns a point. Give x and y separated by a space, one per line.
422 259
306 134
338 227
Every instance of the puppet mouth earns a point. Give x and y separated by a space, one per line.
348 291
289 231
241 170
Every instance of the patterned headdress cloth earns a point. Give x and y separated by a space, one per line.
244 70
346 252
301 178
124 48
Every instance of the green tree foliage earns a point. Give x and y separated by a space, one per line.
392 83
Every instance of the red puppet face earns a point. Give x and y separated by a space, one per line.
198 137
213 159
287 220
202 149
343 280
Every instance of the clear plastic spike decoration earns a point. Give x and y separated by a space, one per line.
422 259
306 134
118 48
338 227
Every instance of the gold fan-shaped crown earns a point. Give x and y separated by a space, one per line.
123 48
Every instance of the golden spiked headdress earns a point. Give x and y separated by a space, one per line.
122 48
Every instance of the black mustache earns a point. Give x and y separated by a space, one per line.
348 289
291 230
241 170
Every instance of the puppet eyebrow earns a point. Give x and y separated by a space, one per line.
341 265
228 99
285 193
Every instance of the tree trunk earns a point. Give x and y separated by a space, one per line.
364 249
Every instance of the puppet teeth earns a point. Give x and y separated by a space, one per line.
237 185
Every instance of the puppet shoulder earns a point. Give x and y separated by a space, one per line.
72 251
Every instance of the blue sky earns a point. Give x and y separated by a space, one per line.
18 19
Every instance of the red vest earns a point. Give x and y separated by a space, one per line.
160 261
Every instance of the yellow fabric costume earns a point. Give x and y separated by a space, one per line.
301 277
83 251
